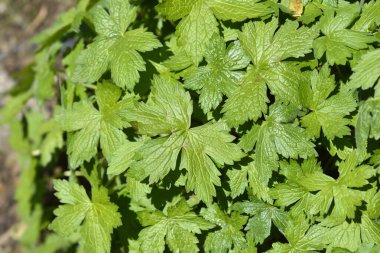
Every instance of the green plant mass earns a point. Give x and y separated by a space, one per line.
236 126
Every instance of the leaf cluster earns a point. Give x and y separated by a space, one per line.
201 125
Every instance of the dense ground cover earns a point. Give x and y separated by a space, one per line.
201 125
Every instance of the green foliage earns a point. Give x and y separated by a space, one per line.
326 112
177 224
115 47
267 50
91 126
201 125
93 219
338 41
229 235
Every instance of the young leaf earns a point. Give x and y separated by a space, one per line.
204 146
229 235
367 123
249 101
327 112
259 226
339 42
301 238
367 71
52 141
80 214
89 125
267 49
350 235
198 22
123 157
248 175
201 146
316 191
44 73
114 47
167 110
220 76
13 106
175 227
275 136
370 15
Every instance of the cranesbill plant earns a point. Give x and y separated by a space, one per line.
201 125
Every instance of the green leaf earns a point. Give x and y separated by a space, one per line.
265 46
13 106
155 158
373 200
367 123
238 181
167 110
175 9
52 141
283 80
27 188
202 147
239 10
339 42
125 61
301 238
44 72
316 192
259 226
52 243
90 126
273 137
71 90
175 227
93 61
326 112
311 11
196 29
367 71
267 49
229 235
351 235
370 230
249 101
368 248
220 76
370 15
248 175
123 157
80 214
348 234
198 20
114 47
114 20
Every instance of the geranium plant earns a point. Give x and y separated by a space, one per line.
201 125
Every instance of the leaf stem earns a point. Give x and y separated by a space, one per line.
89 86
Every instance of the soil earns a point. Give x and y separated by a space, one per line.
19 21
